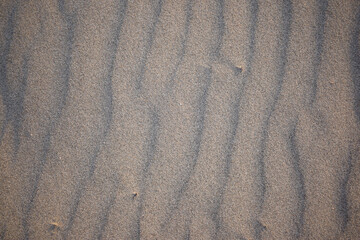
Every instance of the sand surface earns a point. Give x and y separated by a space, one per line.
180 119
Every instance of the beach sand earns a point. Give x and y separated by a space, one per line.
191 119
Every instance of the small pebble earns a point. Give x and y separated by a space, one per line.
238 70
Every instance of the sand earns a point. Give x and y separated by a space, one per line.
191 119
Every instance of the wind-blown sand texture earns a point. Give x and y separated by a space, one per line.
191 119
